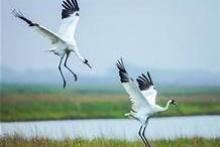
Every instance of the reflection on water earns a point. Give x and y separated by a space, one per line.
158 128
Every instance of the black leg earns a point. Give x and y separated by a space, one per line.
143 133
140 134
61 73
75 76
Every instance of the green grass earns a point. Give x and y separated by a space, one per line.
85 89
35 102
40 142
60 110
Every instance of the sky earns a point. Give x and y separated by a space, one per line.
158 34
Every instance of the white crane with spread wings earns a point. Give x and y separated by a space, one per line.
142 97
63 42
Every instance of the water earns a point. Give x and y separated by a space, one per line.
158 128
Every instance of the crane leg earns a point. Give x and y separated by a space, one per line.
143 133
140 134
61 73
65 65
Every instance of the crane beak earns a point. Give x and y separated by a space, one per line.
174 103
178 108
88 65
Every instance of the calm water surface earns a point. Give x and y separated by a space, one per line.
158 128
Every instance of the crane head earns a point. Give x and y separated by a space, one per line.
172 102
87 63
176 106
76 13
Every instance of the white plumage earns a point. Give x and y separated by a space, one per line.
63 42
68 27
142 97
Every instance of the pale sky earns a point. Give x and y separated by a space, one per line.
159 34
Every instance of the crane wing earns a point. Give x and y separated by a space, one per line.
136 97
146 86
70 18
53 37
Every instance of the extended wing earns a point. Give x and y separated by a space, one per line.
53 37
70 18
136 97
146 86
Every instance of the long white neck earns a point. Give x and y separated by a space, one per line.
79 56
74 24
166 107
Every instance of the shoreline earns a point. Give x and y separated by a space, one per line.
106 118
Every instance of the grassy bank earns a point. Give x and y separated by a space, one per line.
20 103
36 142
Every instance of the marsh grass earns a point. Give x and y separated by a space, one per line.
21 103
16 141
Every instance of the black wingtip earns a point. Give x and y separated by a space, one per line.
144 82
17 13
20 15
151 81
69 7
122 71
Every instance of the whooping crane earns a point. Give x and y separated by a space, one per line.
63 42
143 99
